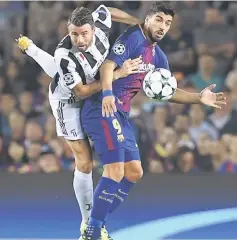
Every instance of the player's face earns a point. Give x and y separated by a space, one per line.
82 36
158 25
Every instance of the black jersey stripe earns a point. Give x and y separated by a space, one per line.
79 68
100 46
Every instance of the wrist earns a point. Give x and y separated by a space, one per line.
107 93
200 96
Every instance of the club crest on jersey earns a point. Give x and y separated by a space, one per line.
68 78
119 48
120 138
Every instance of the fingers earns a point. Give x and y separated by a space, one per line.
218 104
220 97
211 86
108 108
135 62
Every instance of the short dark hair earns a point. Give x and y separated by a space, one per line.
164 7
81 16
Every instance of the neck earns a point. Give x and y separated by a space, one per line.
146 34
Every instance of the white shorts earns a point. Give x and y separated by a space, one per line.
68 122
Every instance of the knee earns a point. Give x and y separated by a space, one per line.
134 174
83 165
114 171
83 157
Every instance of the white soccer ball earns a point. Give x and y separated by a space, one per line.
160 84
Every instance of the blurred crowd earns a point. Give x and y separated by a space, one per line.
175 138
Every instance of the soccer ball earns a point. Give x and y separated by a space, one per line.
160 84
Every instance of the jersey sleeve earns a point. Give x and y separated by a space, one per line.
122 50
69 68
45 60
102 19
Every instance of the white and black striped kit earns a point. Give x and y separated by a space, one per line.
80 66
77 67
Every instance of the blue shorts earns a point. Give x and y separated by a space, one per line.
113 137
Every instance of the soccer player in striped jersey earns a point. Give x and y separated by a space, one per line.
74 69
104 118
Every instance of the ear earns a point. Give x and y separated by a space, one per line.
147 19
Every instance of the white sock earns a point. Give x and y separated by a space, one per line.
83 188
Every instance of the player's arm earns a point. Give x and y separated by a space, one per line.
103 17
121 51
73 75
130 66
206 96
45 60
123 17
87 90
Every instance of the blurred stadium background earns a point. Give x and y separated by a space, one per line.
176 141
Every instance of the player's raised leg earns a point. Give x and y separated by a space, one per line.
68 125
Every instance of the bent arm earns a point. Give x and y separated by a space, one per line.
123 17
87 90
107 74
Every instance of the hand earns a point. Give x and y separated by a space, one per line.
212 99
108 106
130 66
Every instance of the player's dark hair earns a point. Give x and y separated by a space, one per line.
164 7
81 16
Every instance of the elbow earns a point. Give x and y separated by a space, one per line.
107 65
111 10
79 91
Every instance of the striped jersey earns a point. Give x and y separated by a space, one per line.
75 66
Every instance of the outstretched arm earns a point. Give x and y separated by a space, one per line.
206 96
45 60
123 17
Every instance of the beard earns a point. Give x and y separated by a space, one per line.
152 36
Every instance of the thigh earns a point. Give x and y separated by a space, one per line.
68 123
131 147
83 155
106 133
113 156
81 149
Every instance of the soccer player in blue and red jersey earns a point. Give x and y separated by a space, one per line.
106 120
